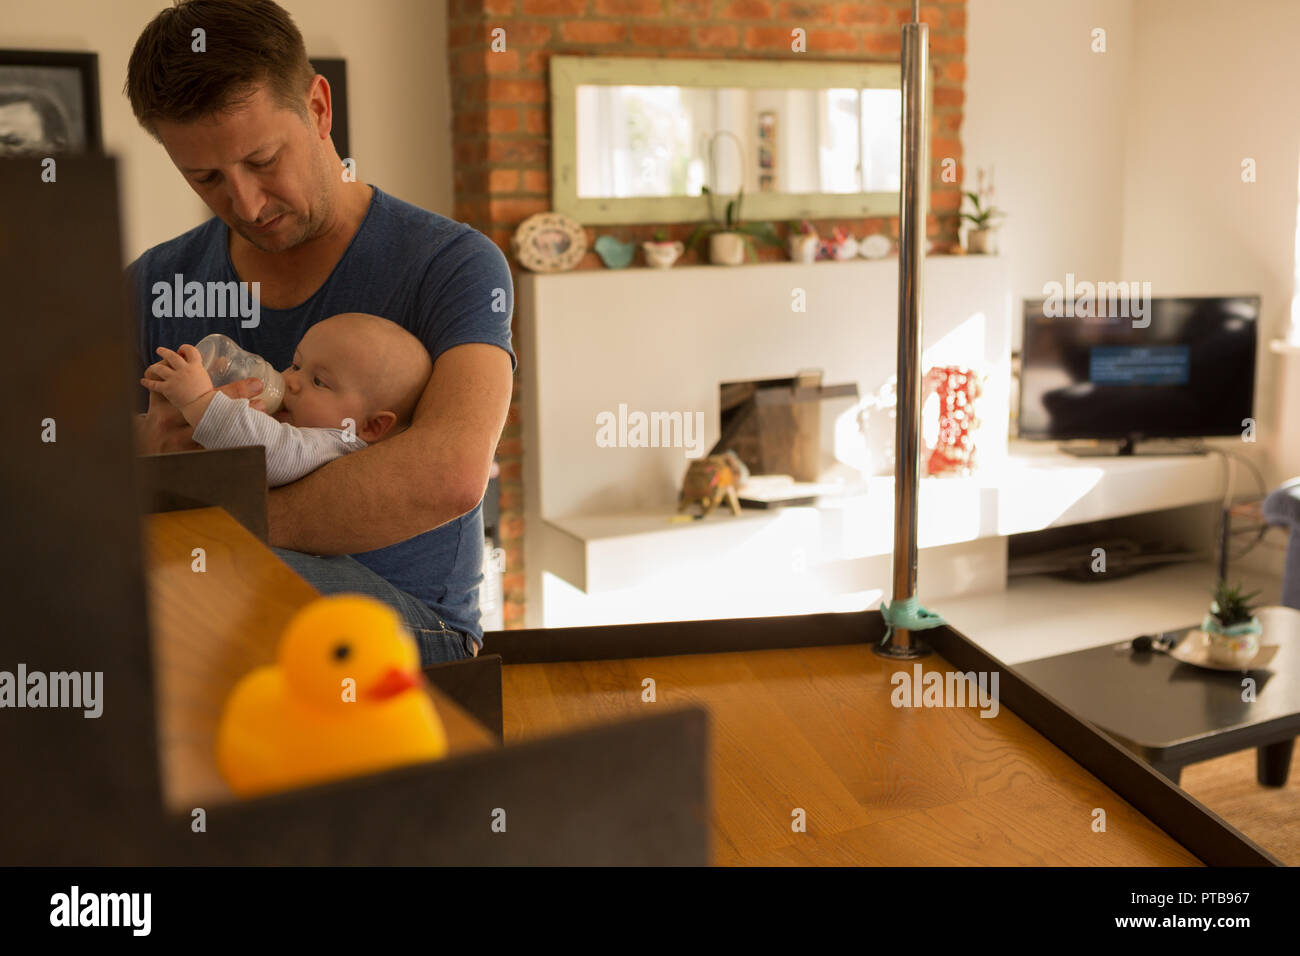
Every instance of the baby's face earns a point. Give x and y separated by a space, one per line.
325 385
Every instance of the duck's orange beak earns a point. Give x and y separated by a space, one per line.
394 682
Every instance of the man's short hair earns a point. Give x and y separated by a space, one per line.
247 43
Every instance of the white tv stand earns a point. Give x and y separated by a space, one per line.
1128 448
836 555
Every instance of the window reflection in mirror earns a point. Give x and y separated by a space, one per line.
647 141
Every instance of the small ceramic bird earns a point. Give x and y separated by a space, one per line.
615 254
345 697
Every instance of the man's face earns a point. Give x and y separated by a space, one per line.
260 168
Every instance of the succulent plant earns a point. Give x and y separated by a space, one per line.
1230 606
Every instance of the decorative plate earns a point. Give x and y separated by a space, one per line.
875 247
1195 649
549 242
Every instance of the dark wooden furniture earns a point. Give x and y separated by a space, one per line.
233 479
135 785
1173 714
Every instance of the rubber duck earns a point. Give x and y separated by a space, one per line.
345 697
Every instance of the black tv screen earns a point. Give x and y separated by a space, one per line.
1190 372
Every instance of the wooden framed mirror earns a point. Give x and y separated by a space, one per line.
634 140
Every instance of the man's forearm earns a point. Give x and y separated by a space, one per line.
415 481
369 499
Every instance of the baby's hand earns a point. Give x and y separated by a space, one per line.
179 377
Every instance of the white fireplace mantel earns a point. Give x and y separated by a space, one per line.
663 341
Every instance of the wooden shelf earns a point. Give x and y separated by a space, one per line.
212 628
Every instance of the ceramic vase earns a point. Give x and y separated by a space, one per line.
726 249
1233 649
981 241
661 255
803 247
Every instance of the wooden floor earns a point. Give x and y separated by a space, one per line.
1268 815
814 729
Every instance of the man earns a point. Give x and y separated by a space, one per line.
246 120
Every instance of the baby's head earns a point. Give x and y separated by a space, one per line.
358 366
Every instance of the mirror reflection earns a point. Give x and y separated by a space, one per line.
654 141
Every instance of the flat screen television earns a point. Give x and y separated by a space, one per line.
1189 373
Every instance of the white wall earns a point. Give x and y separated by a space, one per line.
1127 164
399 101
1214 83
1050 116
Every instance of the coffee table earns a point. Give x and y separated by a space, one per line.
1173 714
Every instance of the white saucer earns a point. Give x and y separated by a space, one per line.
1194 649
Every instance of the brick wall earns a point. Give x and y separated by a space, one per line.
500 119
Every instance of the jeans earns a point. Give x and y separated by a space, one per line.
1282 507
334 574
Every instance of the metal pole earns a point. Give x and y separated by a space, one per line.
913 203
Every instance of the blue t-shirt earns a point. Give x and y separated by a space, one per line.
444 281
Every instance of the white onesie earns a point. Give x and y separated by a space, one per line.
291 452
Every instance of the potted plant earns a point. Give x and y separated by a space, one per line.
804 241
1231 626
730 238
660 253
984 220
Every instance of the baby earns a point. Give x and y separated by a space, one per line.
355 379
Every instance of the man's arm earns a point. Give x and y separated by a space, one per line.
434 471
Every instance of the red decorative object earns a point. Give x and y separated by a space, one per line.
828 248
956 389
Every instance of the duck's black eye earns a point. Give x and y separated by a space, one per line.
341 651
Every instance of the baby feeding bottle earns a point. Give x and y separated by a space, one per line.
226 362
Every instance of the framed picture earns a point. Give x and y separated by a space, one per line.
336 74
49 103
